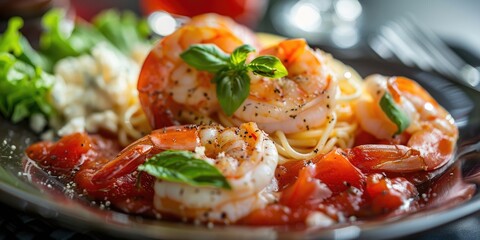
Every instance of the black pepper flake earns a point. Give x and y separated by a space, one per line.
293 116
315 150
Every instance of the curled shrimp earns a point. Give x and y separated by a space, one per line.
300 101
426 144
170 91
244 155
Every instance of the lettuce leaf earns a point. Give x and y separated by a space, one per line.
14 42
23 89
124 30
23 84
63 37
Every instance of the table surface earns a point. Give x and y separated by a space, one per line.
448 21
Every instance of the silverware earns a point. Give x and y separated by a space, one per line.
415 44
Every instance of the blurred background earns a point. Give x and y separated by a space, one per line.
344 24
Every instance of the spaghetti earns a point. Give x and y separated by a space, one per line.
339 129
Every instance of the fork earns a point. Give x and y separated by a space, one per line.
415 44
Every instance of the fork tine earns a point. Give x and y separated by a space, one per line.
428 36
397 46
445 61
414 44
421 57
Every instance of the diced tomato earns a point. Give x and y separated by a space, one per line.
387 195
62 157
79 156
305 189
333 169
288 172
347 203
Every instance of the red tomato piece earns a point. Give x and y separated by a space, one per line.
387 195
62 157
333 170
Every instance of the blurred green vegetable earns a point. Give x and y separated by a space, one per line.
24 81
62 37
14 42
123 30
23 89
23 84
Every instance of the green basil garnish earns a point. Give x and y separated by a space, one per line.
394 113
231 72
184 167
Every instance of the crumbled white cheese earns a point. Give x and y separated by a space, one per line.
106 120
318 219
92 91
74 125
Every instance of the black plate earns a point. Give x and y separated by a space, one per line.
75 213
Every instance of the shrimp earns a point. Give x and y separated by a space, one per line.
302 100
170 91
426 144
244 155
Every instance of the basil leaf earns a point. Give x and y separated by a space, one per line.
183 167
268 66
205 57
232 90
394 113
239 55
231 73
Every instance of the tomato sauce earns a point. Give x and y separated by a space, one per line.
77 157
332 186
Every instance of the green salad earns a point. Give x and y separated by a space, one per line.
26 73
